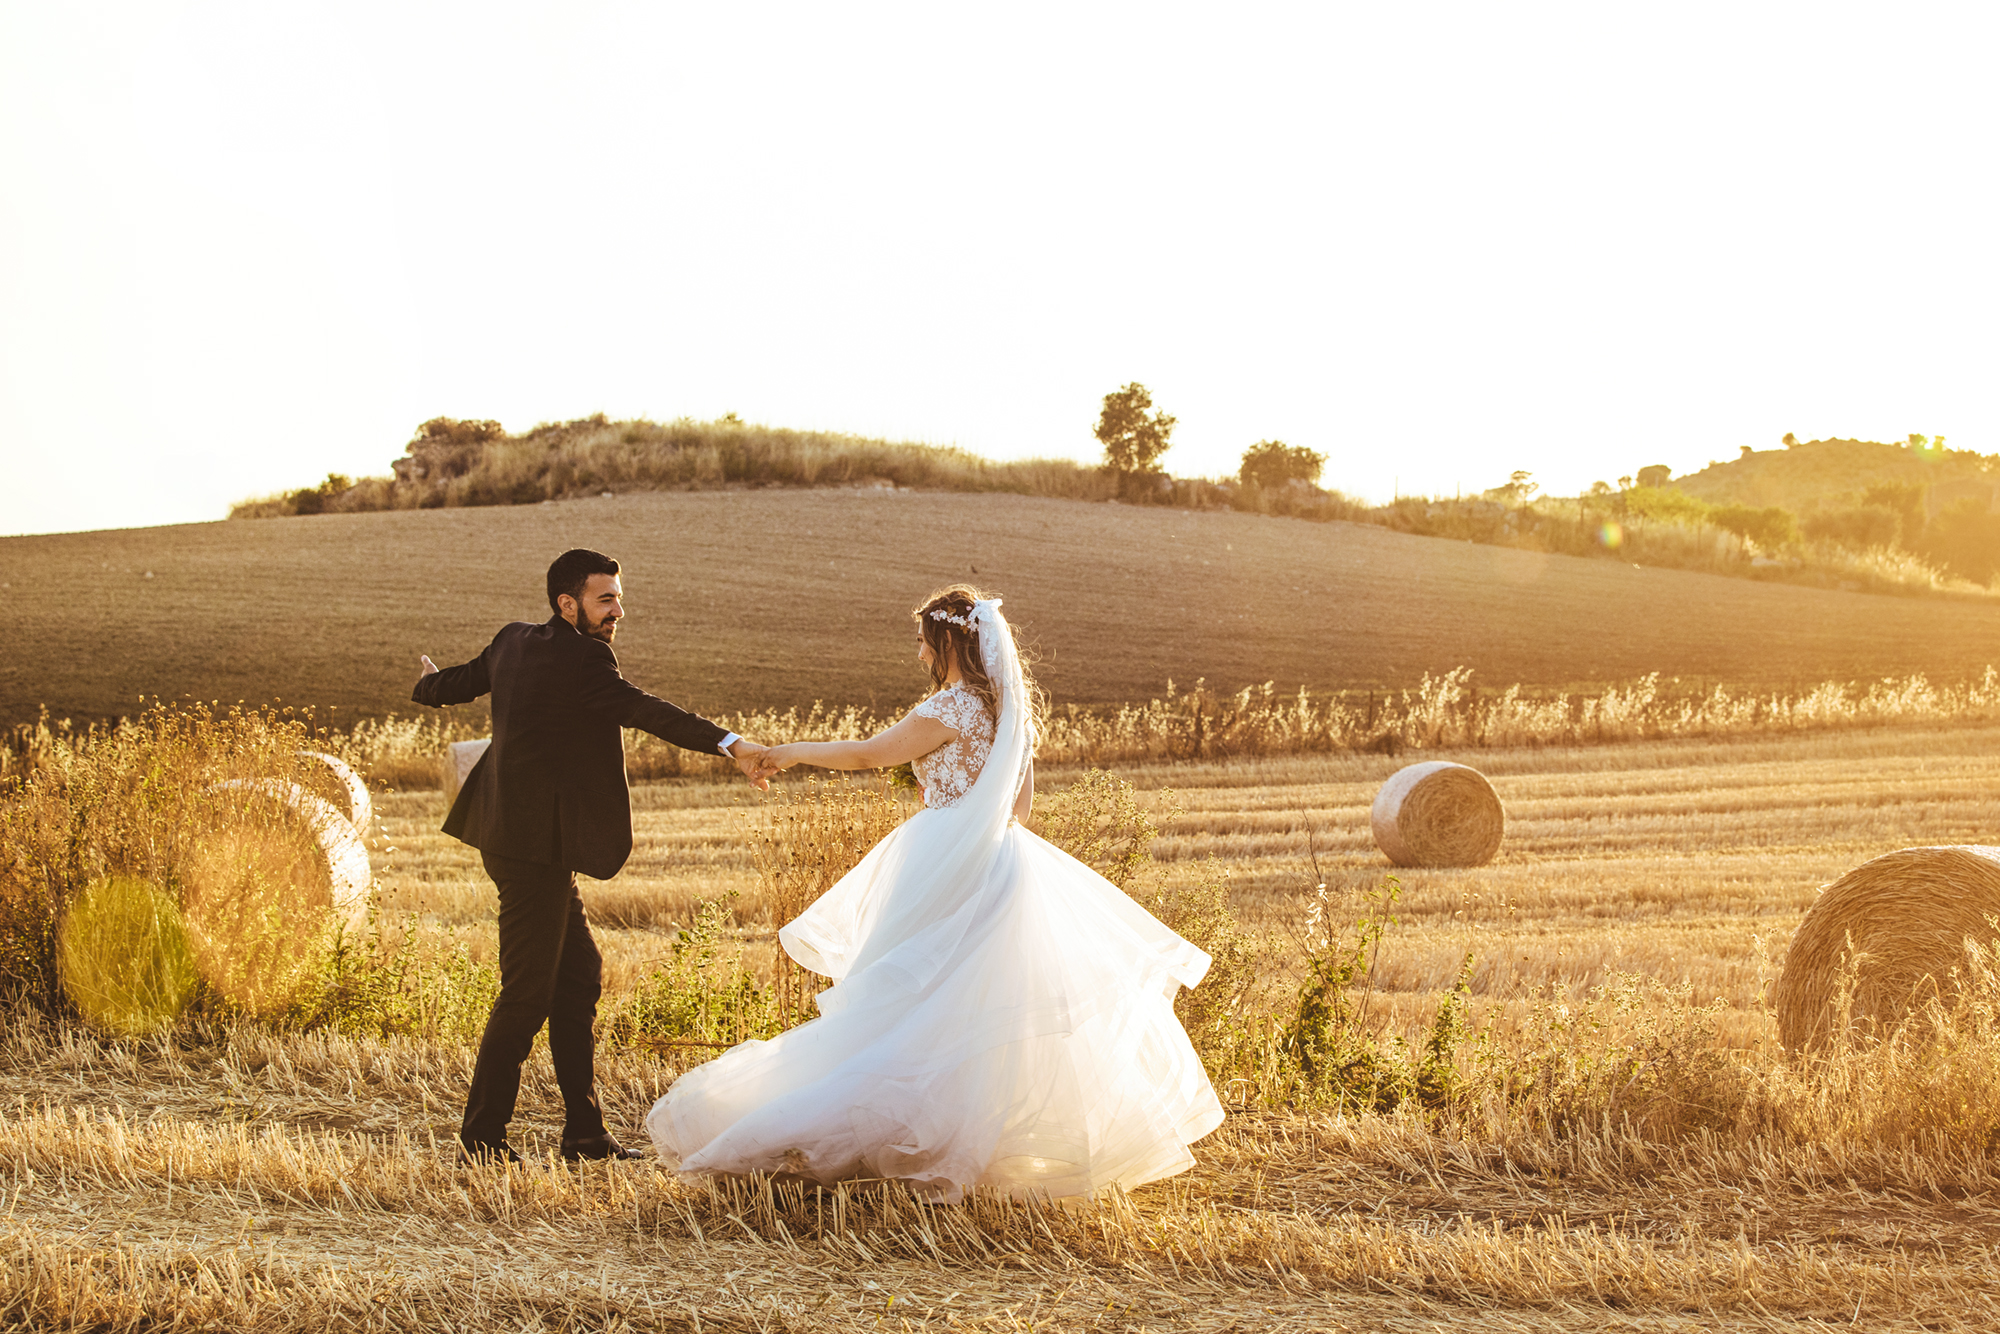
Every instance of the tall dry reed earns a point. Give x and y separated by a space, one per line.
1448 711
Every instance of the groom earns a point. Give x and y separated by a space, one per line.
546 801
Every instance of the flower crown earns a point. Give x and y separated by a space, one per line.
940 614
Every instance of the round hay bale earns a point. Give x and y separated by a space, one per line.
360 807
459 758
257 890
1438 814
1908 916
125 958
341 844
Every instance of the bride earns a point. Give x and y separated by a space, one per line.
1002 1015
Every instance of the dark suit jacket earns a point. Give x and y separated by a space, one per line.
551 788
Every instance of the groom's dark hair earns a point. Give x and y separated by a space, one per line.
572 570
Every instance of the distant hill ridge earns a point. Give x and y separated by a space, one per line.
1816 476
1741 518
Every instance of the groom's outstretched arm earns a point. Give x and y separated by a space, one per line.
439 686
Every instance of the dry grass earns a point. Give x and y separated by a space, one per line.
1441 713
1693 862
262 1184
245 1179
750 600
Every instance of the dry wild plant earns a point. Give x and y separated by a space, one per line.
171 799
1439 712
806 837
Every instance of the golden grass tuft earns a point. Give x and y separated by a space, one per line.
1884 940
1438 814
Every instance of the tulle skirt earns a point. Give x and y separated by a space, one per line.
1003 1018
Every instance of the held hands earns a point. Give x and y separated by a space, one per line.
430 668
782 757
751 759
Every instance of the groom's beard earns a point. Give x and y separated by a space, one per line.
603 629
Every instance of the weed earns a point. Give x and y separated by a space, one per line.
702 996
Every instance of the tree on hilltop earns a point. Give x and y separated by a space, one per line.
1519 488
450 430
1133 434
1271 464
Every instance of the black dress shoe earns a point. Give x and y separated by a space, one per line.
598 1148
485 1153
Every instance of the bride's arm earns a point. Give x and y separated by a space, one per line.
1024 804
915 735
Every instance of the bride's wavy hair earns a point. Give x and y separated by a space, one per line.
951 641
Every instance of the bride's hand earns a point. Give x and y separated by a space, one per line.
775 758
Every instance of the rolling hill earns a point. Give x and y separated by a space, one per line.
742 599
1836 474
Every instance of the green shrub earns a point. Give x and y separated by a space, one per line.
1634 1050
1965 540
1271 464
1861 529
1098 820
1767 529
364 986
1197 910
701 996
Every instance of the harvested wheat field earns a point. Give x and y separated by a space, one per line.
754 599
1616 1143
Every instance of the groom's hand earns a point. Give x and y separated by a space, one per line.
430 668
748 756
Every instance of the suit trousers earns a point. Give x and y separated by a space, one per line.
550 972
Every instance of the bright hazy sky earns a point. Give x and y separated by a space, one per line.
245 245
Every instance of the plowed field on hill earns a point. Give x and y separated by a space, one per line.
751 599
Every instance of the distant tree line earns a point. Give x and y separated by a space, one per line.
1958 534
1135 434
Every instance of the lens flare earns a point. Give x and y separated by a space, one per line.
127 963
1611 536
259 895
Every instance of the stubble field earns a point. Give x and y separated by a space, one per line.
296 1182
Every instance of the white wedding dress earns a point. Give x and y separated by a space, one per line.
1003 1015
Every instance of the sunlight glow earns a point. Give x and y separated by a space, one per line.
245 245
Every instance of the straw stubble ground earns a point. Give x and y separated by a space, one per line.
295 1182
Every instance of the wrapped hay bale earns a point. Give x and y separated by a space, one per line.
459 759
1909 916
1438 814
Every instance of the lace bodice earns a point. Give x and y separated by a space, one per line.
948 772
